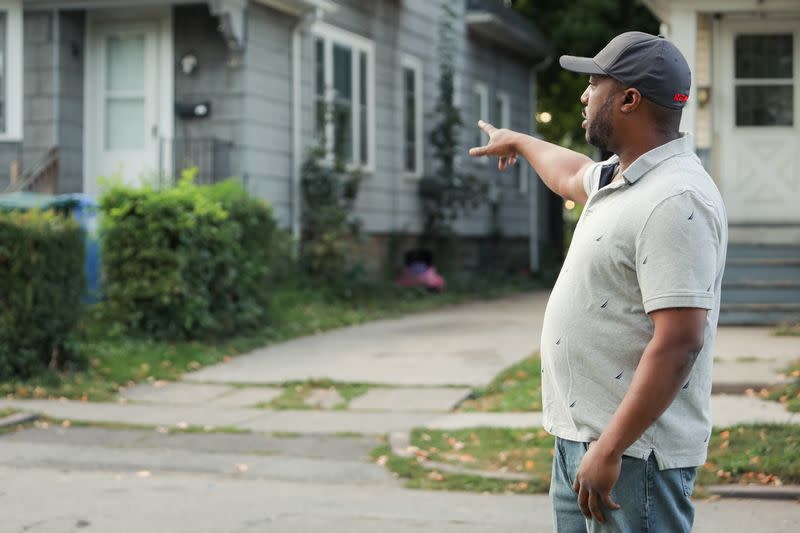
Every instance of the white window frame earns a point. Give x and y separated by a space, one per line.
415 65
12 129
481 90
329 35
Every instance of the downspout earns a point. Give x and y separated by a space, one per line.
56 13
534 215
297 121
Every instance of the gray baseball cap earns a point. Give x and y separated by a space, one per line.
649 63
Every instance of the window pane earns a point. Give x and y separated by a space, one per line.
343 102
498 113
125 63
477 112
125 124
765 105
764 56
410 120
3 72
319 90
319 62
363 100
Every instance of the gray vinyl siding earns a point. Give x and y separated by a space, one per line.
215 81
388 200
266 146
38 113
44 99
71 71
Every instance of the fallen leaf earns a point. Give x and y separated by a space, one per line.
181 425
66 423
242 468
382 460
435 476
725 434
724 444
143 473
529 465
754 460
467 458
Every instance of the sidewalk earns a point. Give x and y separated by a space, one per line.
426 364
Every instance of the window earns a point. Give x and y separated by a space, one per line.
502 119
10 70
343 95
764 79
480 110
412 116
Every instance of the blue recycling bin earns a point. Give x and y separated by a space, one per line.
85 211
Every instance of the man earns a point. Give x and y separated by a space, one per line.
627 336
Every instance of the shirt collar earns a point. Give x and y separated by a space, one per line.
647 161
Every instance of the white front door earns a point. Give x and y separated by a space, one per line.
128 100
758 112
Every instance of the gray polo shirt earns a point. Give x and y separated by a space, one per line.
653 240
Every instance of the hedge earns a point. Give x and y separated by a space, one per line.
42 281
187 262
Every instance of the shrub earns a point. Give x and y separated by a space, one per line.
186 262
330 230
42 280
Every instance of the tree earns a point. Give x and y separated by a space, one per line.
578 27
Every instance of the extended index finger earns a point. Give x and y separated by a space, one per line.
485 126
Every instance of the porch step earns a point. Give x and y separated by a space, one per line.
755 314
761 285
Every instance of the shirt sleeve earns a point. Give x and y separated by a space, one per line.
591 179
677 254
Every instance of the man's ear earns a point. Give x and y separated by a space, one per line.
631 100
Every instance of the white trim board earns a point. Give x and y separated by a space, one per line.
14 90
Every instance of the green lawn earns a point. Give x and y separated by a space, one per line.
115 360
517 388
295 394
788 394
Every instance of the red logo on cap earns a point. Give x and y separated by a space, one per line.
682 98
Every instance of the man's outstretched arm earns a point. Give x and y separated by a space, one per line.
561 169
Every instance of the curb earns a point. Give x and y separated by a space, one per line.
756 492
400 444
18 418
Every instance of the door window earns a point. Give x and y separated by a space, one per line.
125 92
764 79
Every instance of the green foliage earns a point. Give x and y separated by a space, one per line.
330 231
579 27
42 280
446 194
186 262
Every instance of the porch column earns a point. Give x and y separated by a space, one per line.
683 32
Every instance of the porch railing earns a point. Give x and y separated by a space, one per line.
211 156
42 177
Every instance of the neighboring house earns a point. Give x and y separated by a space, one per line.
744 111
95 88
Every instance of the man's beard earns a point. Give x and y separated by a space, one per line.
600 129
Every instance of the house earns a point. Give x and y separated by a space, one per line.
744 112
137 88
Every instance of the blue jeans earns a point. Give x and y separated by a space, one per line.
652 500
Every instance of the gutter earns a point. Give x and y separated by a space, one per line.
534 215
